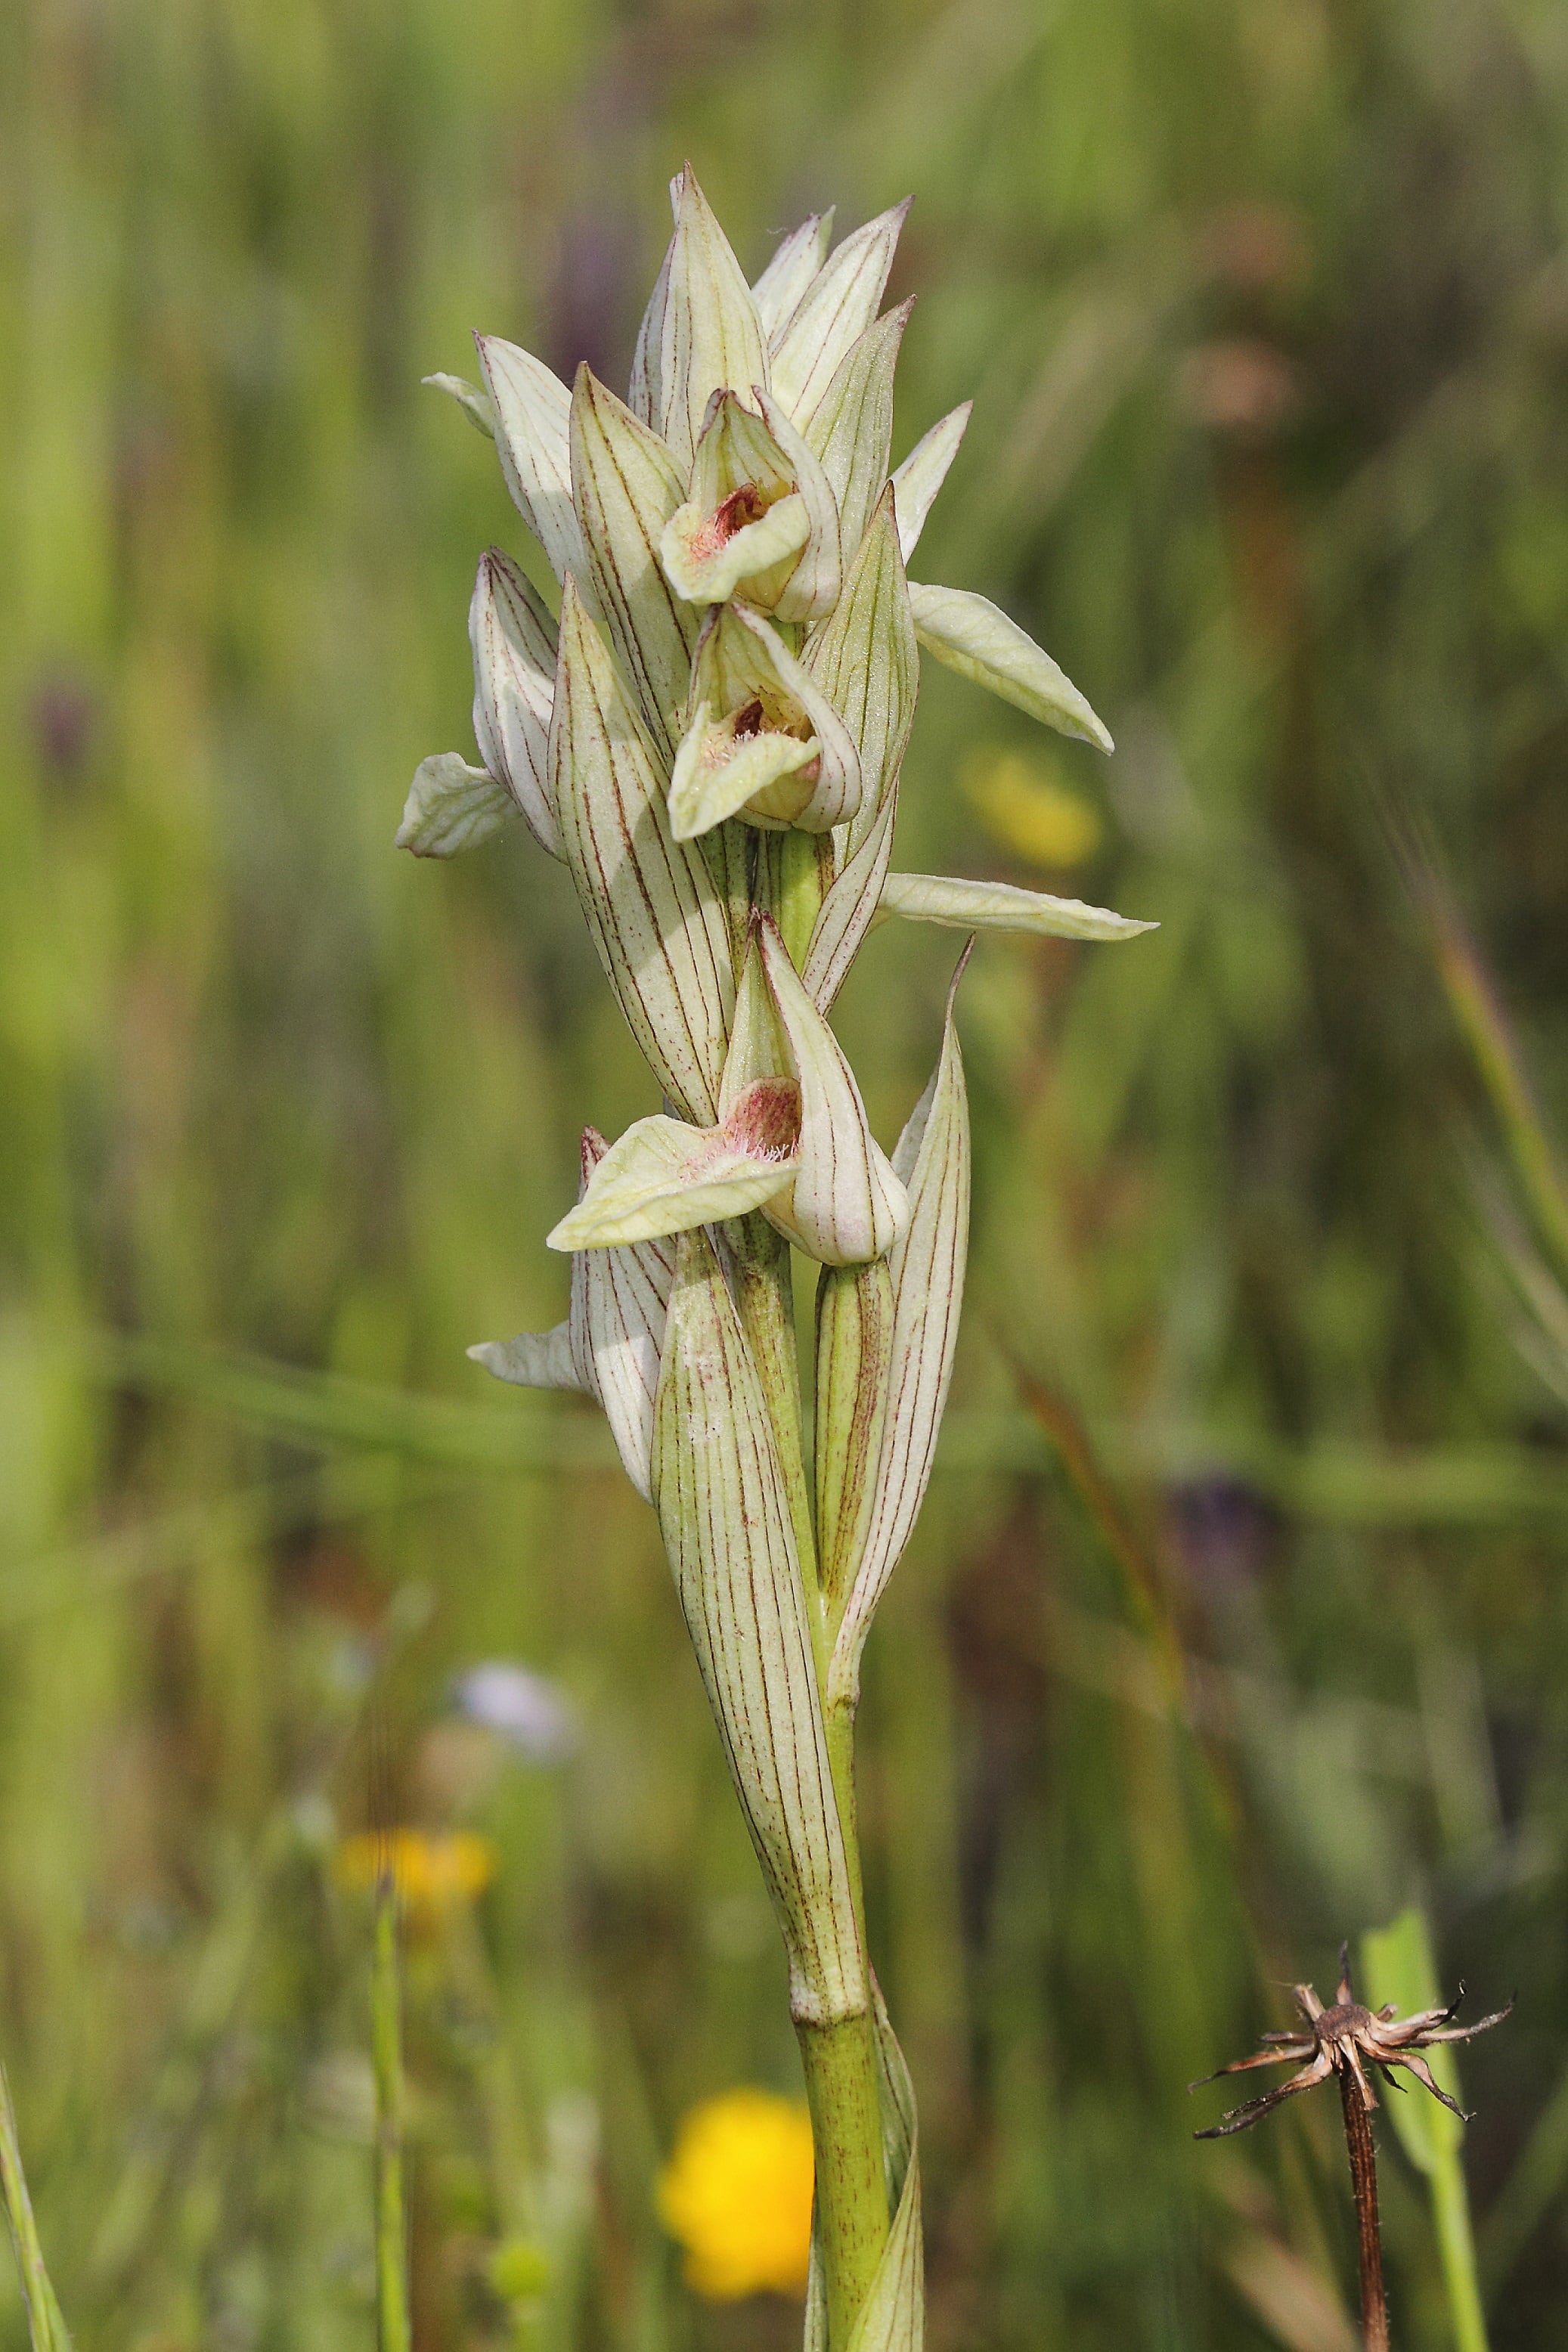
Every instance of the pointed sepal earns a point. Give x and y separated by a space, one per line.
725 1518
655 917
976 638
917 481
532 411
837 305
864 656
797 260
927 1266
845 1204
851 430
625 487
967 905
513 641
850 903
709 335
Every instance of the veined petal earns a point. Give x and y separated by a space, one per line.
656 919
975 638
917 481
864 656
927 1266
846 1205
513 641
749 469
476 406
1001 907
725 1517
746 673
532 411
643 396
625 488
451 806
626 1293
851 429
609 1345
850 905
811 590
838 304
718 772
706 554
798 258
709 336
663 1177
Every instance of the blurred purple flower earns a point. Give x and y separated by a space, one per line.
527 1710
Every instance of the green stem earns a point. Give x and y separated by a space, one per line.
46 2327
387 2053
840 2064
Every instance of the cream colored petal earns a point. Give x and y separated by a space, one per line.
663 1177
707 564
851 430
797 261
812 588
476 406
864 656
755 659
717 773
975 638
451 806
850 905
625 488
643 396
626 1293
532 409
513 641
839 304
845 1204
725 1517
917 481
927 1266
1000 906
709 335
656 917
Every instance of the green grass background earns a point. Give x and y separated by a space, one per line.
1254 1629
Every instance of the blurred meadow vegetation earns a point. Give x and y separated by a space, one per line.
1237 1618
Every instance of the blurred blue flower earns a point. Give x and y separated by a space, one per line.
528 1711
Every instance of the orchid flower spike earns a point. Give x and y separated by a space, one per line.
695 688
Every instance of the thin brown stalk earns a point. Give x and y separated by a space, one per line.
1369 2239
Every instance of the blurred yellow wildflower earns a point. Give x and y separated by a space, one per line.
431 1870
1022 805
736 2193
